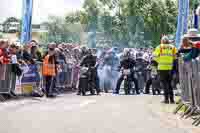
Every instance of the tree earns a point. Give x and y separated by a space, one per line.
60 30
127 22
159 16
11 24
1 35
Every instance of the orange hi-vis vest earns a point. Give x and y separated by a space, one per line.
47 68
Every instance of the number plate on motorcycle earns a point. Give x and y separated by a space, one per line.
84 70
127 71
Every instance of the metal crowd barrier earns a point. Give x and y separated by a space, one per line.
189 77
32 80
7 80
64 78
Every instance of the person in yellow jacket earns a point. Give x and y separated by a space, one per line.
165 55
49 70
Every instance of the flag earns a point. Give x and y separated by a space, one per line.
26 21
186 15
196 18
182 25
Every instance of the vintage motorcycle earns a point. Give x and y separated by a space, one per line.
127 80
85 82
155 81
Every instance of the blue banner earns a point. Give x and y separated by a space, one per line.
186 16
196 18
31 76
26 21
182 25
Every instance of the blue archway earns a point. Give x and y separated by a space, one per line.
182 25
26 32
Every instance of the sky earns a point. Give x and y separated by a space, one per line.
41 8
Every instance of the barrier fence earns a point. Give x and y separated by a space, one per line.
7 80
189 77
32 80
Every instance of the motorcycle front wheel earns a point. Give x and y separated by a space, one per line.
126 87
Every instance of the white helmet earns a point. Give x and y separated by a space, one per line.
146 56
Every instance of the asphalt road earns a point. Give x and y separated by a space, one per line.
93 114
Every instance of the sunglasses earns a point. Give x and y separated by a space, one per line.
51 49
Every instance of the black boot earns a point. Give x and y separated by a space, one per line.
79 92
172 100
166 101
137 91
158 91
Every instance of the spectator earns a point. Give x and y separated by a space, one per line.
83 51
186 45
13 51
26 55
16 70
36 54
194 52
4 55
2 60
61 77
76 68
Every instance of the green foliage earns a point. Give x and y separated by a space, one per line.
61 30
159 16
136 18
134 23
1 35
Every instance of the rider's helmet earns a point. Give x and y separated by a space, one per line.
146 56
89 51
139 55
127 53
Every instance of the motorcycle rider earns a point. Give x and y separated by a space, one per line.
127 63
141 64
90 61
152 68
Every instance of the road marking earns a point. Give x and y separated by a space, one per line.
87 102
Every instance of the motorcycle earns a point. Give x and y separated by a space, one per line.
141 73
155 82
85 82
140 77
127 80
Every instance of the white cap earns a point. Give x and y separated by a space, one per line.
165 38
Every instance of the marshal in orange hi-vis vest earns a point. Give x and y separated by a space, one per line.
48 69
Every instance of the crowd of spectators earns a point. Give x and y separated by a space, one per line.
66 58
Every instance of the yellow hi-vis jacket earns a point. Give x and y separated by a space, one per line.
165 55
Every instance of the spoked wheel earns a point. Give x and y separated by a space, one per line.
83 85
92 87
126 87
